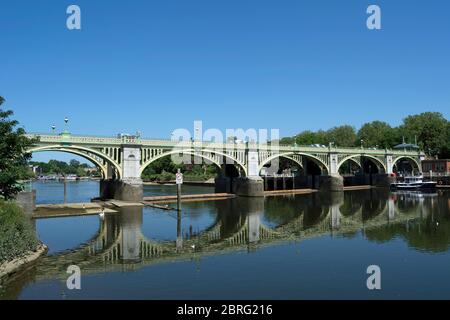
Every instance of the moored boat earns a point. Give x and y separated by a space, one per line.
413 183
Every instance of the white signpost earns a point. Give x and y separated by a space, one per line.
179 178
179 182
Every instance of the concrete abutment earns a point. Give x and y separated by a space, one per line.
122 190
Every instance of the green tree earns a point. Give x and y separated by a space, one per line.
287 141
74 163
308 138
342 136
378 133
13 156
430 129
445 154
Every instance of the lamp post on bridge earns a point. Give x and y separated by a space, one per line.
66 121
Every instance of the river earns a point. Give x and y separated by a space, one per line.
315 246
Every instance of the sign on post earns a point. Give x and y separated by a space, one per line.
179 178
179 181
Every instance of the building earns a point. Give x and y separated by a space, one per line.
437 167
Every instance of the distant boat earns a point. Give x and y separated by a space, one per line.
71 177
413 183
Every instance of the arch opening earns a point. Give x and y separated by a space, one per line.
196 168
406 166
311 165
367 165
93 161
84 152
285 165
291 171
194 158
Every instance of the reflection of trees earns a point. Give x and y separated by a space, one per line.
352 203
281 210
431 234
372 202
372 208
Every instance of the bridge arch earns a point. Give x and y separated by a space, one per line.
322 165
377 161
82 151
413 161
196 154
102 168
290 158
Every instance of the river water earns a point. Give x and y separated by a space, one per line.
315 246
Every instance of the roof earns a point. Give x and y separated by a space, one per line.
406 146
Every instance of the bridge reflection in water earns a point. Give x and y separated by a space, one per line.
251 223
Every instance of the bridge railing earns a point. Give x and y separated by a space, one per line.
350 150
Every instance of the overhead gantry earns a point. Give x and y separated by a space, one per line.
122 160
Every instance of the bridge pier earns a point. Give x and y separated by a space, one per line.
121 190
222 184
130 187
382 180
248 186
131 224
331 183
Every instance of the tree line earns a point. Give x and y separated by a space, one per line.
164 169
431 130
62 168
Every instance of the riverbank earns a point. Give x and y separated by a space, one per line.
19 245
10 268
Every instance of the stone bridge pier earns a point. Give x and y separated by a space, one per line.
130 186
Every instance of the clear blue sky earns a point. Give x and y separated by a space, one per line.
155 66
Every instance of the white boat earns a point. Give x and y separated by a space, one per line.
413 183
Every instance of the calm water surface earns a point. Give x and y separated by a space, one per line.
295 247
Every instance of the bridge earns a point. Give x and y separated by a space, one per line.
122 160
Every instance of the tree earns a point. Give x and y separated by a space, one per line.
13 155
378 133
343 136
309 137
445 154
430 129
287 141
74 163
